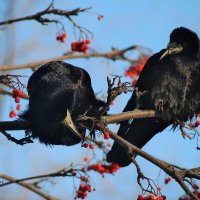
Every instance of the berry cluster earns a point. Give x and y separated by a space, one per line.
151 197
196 192
16 95
61 37
101 168
83 190
106 135
134 71
80 46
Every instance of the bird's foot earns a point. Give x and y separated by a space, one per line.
131 154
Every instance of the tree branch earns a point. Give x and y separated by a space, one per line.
110 119
24 125
29 187
113 55
39 16
177 174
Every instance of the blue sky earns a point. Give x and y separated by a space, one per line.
146 23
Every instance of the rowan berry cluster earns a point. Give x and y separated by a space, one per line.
83 190
196 192
16 95
134 71
80 46
102 168
61 37
151 197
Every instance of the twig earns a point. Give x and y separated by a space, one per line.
113 55
22 141
178 175
63 172
39 16
28 186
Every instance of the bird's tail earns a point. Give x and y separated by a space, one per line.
139 132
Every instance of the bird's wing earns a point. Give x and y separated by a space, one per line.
144 84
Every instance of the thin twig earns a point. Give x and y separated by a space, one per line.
39 16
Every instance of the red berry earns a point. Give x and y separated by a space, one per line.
159 188
88 41
106 135
62 40
195 186
91 146
89 188
197 123
18 107
17 100
12 114
85 145
142 197
58 37
85 159
74 173
100 17
64 35
84 179
191 125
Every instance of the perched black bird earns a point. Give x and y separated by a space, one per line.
57 90
169 83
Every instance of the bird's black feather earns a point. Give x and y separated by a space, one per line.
172 82
54 88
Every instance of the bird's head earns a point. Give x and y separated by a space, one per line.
184 41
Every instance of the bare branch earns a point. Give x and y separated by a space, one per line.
14 125
39 16
29 187
178 175
113 55
110 119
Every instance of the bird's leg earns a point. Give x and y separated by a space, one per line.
130 153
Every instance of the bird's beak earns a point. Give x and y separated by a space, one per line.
172 48
69 124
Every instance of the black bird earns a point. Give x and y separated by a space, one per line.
57 90
169 83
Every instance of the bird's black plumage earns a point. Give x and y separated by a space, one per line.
170 85
54 88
